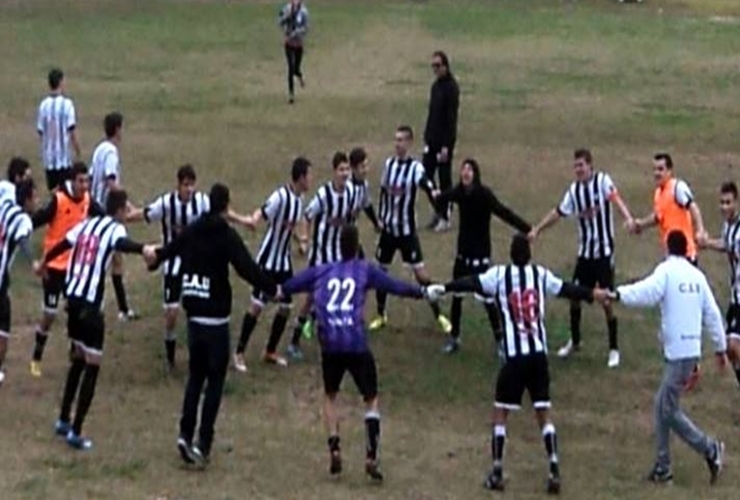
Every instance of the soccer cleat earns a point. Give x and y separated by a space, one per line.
451 346
295 352
36 369
378 323
202 457
2 376
307 329
553 483
129 315
613 359
444 324
660 475
716 461
433 221
239 364
372 468
79 442
568 349
495 480
186 451
62 428
442 226
273 358
335 463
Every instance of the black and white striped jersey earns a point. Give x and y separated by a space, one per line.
105 164
731 239
282 211
398 187
363 200
56 119
174 215
329 210
15 225
93 244
521 291
591 203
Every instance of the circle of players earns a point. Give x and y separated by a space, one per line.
88 204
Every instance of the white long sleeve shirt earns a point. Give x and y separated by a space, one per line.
686 306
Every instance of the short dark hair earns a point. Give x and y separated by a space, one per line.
24 191
583 154
111 123
219 198
445 60
406 129
339 158
117 200
728 187
56 76
300 168
520 251
677 243
665 157
78 168
186 173
17 168
357 156
349 242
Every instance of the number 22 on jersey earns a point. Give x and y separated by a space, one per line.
342 293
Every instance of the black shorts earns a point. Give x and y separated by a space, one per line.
409 247
172 287
260 298
733 321
522 373
53 286
465 266
56 178
4 315
361 365
86 327
589 272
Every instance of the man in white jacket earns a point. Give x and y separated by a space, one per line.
686 305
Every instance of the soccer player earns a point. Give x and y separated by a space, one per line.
477 202
69 205
18 170
16 229
729 243
207 248
359 163
520 288
57 128
105 177
93 243
402 177
174 211
332 207
282 212
590 199
674 208
293 20
339 290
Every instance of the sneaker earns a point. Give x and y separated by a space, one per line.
36 369
613 359
239 364
715 462
433 221
335 463
273 358
129 315
186 451
62 428
79 442
553 484
291 100
442 226
2 376
372 468
444 324
202 457
661 475
295 352
495 480
378 323
568 349
307 329
451 346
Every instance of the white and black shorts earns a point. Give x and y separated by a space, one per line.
53 285
523 373
172 288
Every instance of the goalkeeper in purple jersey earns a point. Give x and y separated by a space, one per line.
338 291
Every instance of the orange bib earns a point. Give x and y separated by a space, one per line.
673 217
69 213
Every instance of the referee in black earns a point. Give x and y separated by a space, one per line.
440 133
206 249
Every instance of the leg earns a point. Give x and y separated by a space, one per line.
456 316
196 381
459 270
537 380
117 277
332 370
297 64
733 353
218 362
422 277
248 324
53 285
429 160
170 336
278 327
384 253
575 323
445 180
494 319
77 366
92 344
301 321
365 375
290 58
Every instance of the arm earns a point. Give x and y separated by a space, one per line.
45 214
75 142
370 212
57 250
424 182
384 283
444 198
697 218
622 206
127 245
246 267
646 222
645 293
301 28
550 219
301 282
25 245
468 284
575 292
507 215
712 320
71 127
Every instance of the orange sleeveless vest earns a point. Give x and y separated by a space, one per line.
69 213
671 216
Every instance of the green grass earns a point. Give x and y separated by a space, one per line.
203 82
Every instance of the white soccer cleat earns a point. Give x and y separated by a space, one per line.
239 364
567 349
613 359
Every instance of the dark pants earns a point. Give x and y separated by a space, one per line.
432 166
294 56
209 360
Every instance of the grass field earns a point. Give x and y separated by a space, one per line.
203 82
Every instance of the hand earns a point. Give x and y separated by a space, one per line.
436 193
702 238
39 268
150 254
721 360
303 247
443 155
630 225
433 292
603 296
532 235
693 378
637 227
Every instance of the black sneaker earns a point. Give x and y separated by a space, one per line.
335 463
495 480
372 468
186 451
659 475
714 462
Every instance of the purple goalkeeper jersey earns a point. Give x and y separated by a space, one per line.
338 292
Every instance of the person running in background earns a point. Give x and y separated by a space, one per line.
293 20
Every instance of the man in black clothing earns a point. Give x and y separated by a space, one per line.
477 202
440 133
206 248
